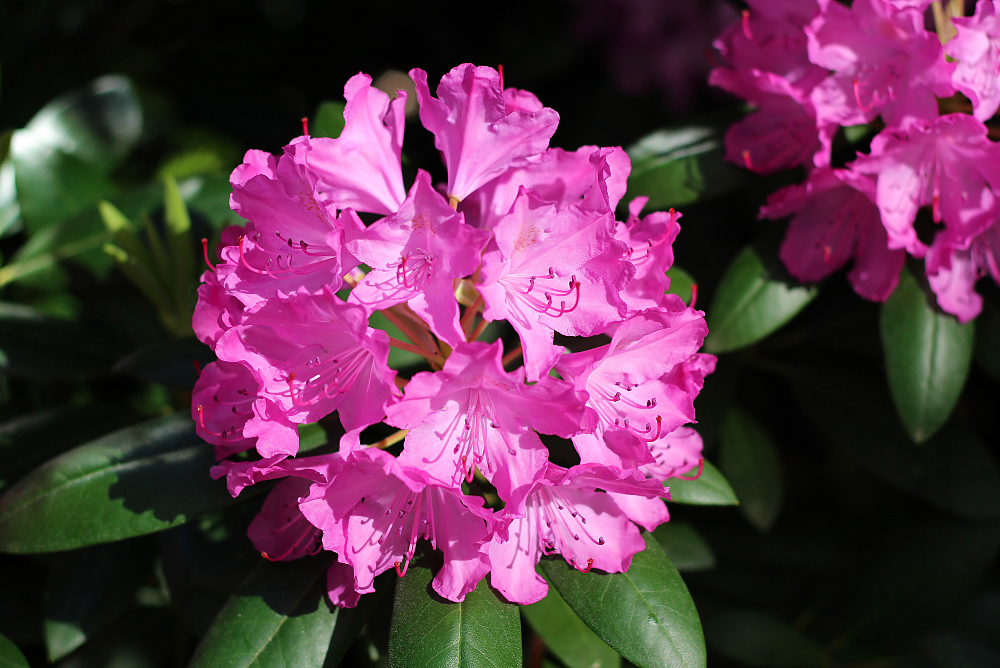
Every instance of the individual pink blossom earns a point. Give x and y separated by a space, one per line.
478 136
884 62
556 176
255 163
567 513
242 474
376 510
976 47
641 385
955 264
674 455
216 310
280 532
834 220
948 164
312 355
294 237
554 270
650 250
415 254
473 414
361 169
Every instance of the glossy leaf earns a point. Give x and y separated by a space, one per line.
710 489
328 121
927 357
756 639
429 631
170 363
680 283
280 617
854 410
750 303
10 655
750 460
134 481
680 166
311 436
646 614
687 549
566 636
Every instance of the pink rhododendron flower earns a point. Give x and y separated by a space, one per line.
976 47
834 220
415 254
361 169
376 510
674 455
473 128
216 310
473 414
567 514
948 164
642 385
955 264
884 62
553 270
650 250
311 355
280 532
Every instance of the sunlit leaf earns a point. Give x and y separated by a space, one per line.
566 636
710 489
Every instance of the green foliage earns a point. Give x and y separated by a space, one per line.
687 549
710 489
328 121
10 655
751 303
483 630
646 614
566 635
927 356
750 460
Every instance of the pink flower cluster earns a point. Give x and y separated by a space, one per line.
520 232
810 67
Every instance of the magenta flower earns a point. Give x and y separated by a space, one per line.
311 355
478 136
376 510
834 220
415 254
642 385
948 164
954 264
567 514
242 474
473 414
976 47
884 62
280 532
216 310
674 455
650 250
361 168
553 270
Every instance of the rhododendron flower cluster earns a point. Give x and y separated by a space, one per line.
811 67
519 232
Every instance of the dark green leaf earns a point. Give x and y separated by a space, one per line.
757 639
988 340
750 460
428 631
135 481
855 411
398 359
311 436
750 303
677 167
280 617
36 346
10 655
686 548
927 356
646 613
169 363
566 635
329 120
90 591
209 195
711 489
680 283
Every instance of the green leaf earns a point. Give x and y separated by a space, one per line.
311 436
398 359
209 195
280 617
646 613
750 303
329 120
853 408
680 283
757 639
10 655
927 357
710 489
566 635
687 550
750 460
680 166
10 209
88 593
428 631
135 481
988 339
